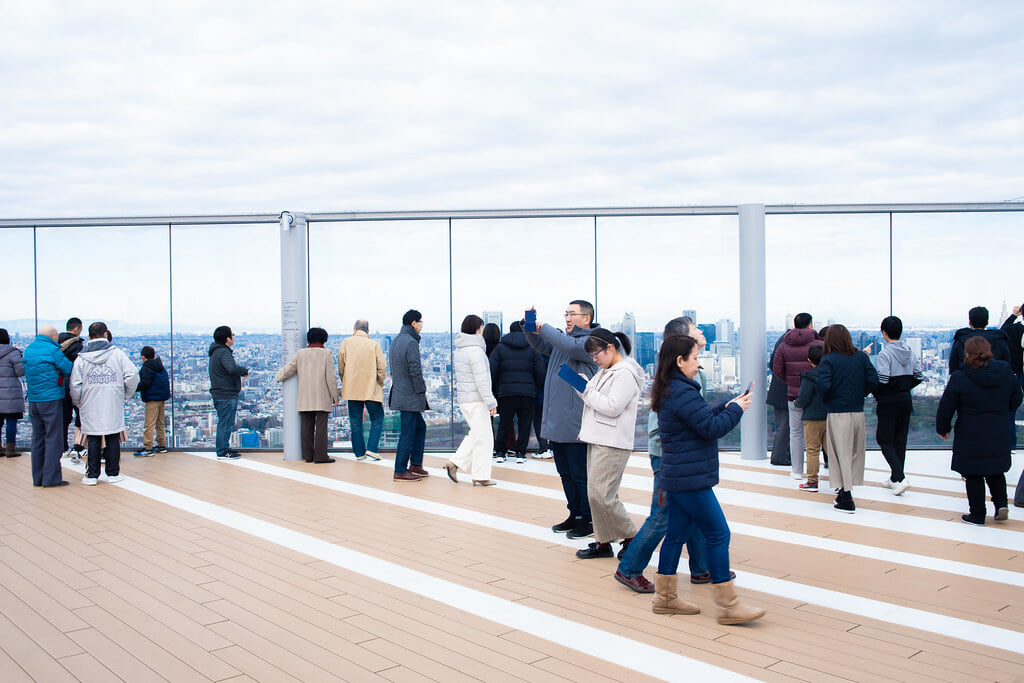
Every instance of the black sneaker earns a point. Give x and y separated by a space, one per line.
143 453
844 502
229 455
160 449
976 521
582 530
595 550
568 525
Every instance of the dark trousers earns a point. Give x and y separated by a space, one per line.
538 414
70 412
891 436
313 435
700 509
521 409
571 463
111 453
410 441
780 445
46 417
976 492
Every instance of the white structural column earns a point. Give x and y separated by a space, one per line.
753 330
294 319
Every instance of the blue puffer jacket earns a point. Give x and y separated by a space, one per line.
844 381
45 364
690 430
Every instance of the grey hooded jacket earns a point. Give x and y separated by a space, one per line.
563 405
12 395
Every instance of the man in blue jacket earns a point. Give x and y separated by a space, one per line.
563 410
46 373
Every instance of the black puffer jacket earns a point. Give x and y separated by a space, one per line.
996 338
984 400
516 368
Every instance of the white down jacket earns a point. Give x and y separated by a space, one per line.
610 405
102 377
472 372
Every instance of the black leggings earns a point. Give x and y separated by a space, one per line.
976 492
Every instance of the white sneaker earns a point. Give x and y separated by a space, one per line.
899 487
372 456
520 459
116 478
796 475
889 483
90 481
546 455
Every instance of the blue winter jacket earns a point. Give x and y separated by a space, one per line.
844 381
45 365
690 429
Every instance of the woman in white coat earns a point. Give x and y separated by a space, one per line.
608 426
477 402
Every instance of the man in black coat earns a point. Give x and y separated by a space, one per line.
71 345
977 317
516 372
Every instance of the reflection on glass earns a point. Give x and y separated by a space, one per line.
378 271
944 265
651 270
17 312
502 267
227 275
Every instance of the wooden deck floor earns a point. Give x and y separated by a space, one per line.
260 569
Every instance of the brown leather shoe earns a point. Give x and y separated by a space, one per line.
418 469
406 476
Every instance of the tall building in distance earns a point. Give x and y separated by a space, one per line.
495 317
645 351
725 329
710 333
690 313
629 328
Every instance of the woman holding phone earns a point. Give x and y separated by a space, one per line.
608 427
690 429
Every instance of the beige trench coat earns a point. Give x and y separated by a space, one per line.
362 369
318 387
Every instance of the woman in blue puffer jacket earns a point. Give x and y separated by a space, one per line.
690 430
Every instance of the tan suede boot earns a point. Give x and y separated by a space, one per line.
665 599
730 609
10 451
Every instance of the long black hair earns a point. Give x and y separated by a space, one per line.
600 338
674 346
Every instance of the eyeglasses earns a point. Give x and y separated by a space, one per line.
603 349
570 314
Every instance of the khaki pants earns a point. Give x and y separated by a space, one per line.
814 439
605 467
154 419
846 436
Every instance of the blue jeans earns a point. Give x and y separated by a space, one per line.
375 409
47 419
226 409
642 547
12 429
686 508
571 463
410 441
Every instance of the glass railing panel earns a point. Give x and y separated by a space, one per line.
378 271
944 265
117 275
835 267
17 304
651 270
227 275
502 267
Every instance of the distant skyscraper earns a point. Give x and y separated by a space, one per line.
690 313
495 317
1004 314
629 328
710 333
645 352
725 329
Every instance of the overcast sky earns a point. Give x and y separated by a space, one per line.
139 108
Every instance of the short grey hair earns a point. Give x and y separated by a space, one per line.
362 326
680 325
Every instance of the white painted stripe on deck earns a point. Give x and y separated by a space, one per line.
954 627
609 647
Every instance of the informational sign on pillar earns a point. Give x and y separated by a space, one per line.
294 319
753 328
